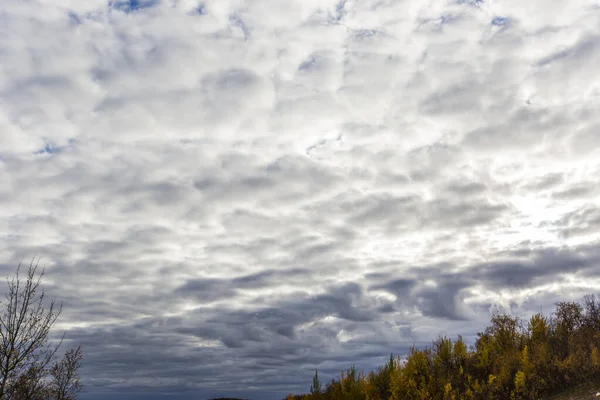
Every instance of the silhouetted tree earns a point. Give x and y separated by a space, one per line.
315 388
26 353
65 383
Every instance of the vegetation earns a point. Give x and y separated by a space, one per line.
29 369
511 359
227 398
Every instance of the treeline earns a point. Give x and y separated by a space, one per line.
227 398
511 359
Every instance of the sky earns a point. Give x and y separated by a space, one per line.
229 194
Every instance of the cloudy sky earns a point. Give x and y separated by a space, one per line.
229 194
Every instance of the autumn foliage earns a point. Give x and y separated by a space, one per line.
511 359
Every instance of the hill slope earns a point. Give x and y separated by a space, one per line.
582 392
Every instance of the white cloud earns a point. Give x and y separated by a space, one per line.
314 176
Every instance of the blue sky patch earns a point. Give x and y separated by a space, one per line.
201 9
499 21
365 33
47 149
308 64
74 18
339 11
50 148
446 19
471 2
132 5
235 20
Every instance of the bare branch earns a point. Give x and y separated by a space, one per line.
25 350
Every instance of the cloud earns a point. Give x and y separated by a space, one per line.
229 194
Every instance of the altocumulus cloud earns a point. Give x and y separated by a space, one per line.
228 194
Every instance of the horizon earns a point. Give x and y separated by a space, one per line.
228 195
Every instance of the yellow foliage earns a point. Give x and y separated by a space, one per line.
476 387
506 362
520 381
448 395
595 356
469 395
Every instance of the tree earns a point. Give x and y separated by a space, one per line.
512 359
65 382
315 388
26 351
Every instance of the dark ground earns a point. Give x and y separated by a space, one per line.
586 391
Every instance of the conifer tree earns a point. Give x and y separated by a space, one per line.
315 388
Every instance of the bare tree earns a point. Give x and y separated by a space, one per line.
29 386
65 376
25 349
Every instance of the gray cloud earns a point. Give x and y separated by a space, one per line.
230 195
